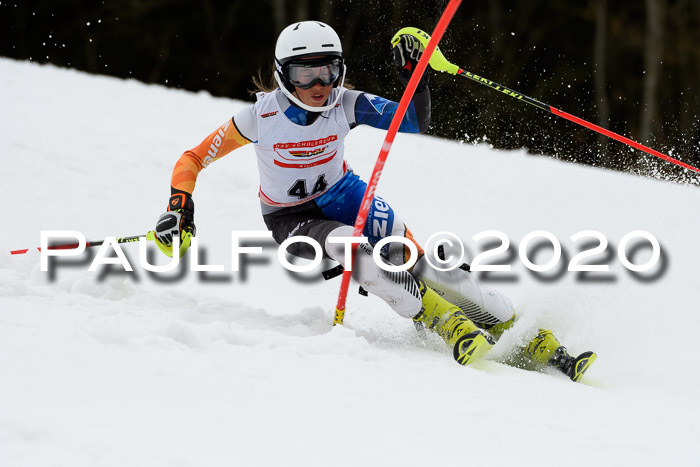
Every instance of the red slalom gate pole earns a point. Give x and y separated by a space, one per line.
361 219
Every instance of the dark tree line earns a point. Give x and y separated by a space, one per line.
631 65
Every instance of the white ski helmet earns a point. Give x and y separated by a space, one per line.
309 45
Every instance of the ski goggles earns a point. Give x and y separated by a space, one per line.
304 74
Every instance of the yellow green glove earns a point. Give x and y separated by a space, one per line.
177 222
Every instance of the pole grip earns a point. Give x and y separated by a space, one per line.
438 61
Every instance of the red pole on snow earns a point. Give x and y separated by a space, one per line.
620 138
72 246
553 110
386 147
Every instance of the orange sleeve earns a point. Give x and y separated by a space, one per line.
221 142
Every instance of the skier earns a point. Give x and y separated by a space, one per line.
297 127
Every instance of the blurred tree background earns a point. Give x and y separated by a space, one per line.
628 65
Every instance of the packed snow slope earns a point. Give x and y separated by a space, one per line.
110 368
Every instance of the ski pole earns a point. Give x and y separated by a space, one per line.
70 246
439 62
430 45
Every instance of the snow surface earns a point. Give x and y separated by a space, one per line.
135 369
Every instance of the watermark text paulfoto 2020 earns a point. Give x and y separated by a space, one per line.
595 249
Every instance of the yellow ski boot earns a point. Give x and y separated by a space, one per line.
450 322
546 350
497 330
